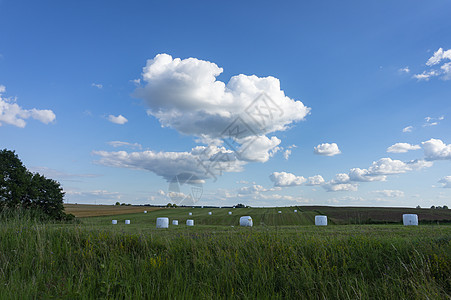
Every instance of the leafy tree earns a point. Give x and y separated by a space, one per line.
14 180
21 189
117 203
240 205
418 206
432 207
445 207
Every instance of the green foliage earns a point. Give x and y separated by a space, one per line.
297 262
117 203
21 189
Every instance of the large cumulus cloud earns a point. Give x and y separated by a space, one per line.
240 116
185 95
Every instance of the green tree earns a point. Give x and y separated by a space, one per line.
19 188
14 180
117 203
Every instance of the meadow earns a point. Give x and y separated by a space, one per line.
282 256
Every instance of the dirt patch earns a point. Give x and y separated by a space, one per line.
86 210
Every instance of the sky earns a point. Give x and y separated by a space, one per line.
210 103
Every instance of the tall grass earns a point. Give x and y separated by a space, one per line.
78 261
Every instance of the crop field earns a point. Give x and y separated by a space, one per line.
282 256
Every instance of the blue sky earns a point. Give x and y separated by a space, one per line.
116 98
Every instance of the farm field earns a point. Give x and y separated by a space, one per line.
269 216
282 256
89 210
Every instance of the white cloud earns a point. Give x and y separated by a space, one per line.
202 162
432 121
253 189
446 181
390 193
426 75
404 70
438 56
97 85
11 113
378 171
445 69
117 120
388 166
364 175
327 149
341 187
402 148
283 179
136 81
435 149
259 148
185 95
116 144
407 129
234 119
315 180
287 153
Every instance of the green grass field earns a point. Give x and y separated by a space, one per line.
282 256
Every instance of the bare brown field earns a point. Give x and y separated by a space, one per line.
88 210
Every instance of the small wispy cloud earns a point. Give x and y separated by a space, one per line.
404 70
117 144
432 121
407 129
97 85
402 148
444 72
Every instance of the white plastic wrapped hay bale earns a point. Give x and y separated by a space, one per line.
295 210
321 220
230 212
189 222
246 221
127 222
190 214
279 211
145 211
175 222
209 213
114 222
162 222
410 219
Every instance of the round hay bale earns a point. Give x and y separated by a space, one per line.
114 222
246 221
175 222
127 222
189 222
